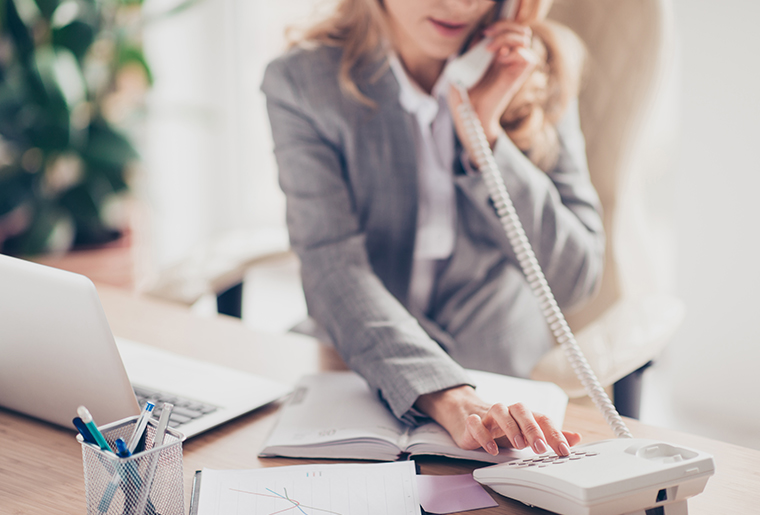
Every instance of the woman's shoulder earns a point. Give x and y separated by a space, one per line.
305 69
306 80
309 60
314 74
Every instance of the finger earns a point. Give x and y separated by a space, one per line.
572 438
481 434
517 54
509 68
498 420
516 63
529 428
503 25
455 98
508 39
554 437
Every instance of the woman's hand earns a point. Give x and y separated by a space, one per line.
472 423
512 65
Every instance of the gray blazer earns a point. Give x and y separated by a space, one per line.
350 179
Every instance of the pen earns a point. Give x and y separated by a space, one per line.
84 414
82 428
121 448
158 440
113 485
142 423
163 421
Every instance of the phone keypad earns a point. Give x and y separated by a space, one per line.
545 460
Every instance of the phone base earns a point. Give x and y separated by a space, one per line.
675 508
609 477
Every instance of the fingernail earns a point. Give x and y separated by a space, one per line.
520 442
564 450
492 449
539 446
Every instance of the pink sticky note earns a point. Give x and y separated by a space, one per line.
450 494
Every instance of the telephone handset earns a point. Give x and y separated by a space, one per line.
626 476
468 68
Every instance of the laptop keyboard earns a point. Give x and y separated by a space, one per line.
185 410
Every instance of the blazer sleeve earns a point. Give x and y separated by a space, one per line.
560 212
371 329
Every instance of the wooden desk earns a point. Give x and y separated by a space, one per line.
41 464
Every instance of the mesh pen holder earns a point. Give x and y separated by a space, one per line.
147 483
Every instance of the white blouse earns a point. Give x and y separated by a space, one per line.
436 215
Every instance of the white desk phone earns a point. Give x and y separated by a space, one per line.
625 476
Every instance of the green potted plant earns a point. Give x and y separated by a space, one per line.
63 157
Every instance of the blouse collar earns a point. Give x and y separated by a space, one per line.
413 98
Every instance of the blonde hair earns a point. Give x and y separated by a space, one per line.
359 27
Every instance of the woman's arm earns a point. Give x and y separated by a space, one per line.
559 210
373 332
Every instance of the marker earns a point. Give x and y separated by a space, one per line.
142 423
82 428
84 414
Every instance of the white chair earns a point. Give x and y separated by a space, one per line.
627 119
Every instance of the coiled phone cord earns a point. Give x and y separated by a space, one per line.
513 228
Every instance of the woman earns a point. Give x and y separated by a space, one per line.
403 260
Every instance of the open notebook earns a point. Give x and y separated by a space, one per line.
335 415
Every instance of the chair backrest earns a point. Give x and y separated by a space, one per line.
625 116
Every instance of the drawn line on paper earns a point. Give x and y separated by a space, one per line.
285 497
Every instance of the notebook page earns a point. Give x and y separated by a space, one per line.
334 407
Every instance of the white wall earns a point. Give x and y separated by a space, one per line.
206 144
708 381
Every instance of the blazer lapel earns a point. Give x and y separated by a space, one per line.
393 214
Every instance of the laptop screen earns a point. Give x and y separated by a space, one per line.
56 347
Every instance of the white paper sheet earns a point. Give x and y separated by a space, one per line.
335 489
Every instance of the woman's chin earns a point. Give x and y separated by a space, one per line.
441 52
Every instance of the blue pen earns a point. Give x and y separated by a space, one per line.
82 428
128 472
142 423
84 414
121 448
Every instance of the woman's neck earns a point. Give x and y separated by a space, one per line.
422 69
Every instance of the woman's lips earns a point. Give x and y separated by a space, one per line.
447 28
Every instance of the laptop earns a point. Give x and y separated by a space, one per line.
57 353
